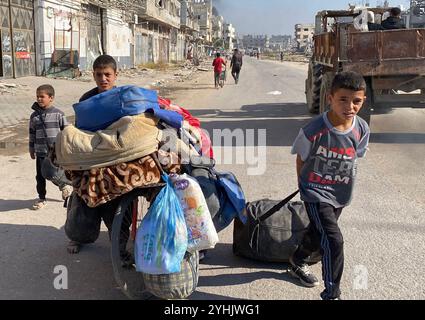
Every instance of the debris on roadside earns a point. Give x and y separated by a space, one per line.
275 93
9 88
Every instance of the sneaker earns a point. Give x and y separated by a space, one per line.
39 204
66 191
303 273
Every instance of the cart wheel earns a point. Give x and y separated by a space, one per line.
122 245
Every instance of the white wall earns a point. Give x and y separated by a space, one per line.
119 38
47 14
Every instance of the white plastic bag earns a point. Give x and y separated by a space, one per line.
200 227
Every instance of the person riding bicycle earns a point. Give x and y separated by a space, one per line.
218 64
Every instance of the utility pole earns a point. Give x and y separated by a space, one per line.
12 45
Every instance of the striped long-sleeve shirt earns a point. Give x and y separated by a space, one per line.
54 120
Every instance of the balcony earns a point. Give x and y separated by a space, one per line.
190 24
165 14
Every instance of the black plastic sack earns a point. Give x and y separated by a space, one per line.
275 238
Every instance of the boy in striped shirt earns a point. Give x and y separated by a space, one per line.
53 119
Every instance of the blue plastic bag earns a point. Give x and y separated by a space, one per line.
101 110
161 239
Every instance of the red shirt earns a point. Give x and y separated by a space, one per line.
218 64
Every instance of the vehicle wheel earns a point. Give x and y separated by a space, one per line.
324 91
312 85
122 244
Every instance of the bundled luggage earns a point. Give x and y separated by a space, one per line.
122 141
273 232
179 285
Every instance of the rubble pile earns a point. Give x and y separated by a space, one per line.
9 88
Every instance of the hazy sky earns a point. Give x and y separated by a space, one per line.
280 16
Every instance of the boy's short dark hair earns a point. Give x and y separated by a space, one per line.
218 54
105 61
395 12
348 80
46 88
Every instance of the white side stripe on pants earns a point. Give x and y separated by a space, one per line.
324 242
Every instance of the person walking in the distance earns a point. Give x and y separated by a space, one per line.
236 65
45 123
327 150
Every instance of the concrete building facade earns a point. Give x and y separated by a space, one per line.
64 37
203 12
304 35
229 36
256 41
217 28
190 29
280 42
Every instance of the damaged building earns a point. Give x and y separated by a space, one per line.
18 52
64 37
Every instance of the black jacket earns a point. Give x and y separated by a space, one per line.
374 26
236 62
393 23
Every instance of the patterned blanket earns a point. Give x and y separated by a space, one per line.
100 185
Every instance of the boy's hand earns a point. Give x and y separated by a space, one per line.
32 155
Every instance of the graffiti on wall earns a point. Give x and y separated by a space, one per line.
19 41
21 47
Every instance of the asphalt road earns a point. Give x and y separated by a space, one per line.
383 227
